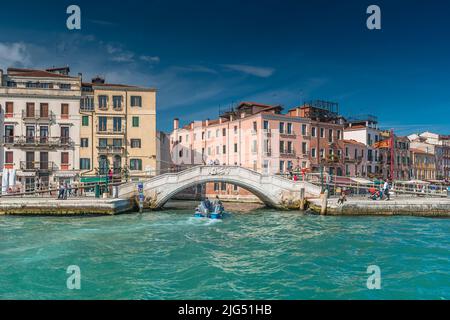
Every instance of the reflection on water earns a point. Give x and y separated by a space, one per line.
259 254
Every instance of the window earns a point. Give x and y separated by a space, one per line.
117 124
281 146
304 148
289 128
209 134
281 166
235 148
223 186
217 150
9 109
64 158
235 129
322 132
209 151
322 153
266 125
180 154
216 186
224 132
135 122
313 131
339 134
102 142
117 102
136 101
304 129
254 146
135 143
289 147
85 164
103 102
84 142
9 157
64 86
330 135
217 133
224 149
102 123
136 164
64 111
281 127
289 165
313 152
85 121
117 143
30 110
65 135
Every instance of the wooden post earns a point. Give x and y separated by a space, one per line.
302 199
323 209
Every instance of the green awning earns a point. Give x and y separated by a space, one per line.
94 179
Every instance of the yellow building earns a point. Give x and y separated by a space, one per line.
118 131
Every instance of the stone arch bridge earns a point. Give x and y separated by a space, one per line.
274 191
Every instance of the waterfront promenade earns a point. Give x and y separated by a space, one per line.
404 206
71 207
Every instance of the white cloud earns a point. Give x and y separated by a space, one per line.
12 54
262 72
150 59
118 54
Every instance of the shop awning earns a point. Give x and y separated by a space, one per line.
94 179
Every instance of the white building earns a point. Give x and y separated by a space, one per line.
365 130
40 127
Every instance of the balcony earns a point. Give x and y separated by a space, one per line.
287 153
33 166
106 131
38 142
114 150
267 153
288 135
37 116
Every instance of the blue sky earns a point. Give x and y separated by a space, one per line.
202 55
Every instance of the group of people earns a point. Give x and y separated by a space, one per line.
382 193
206 206
66 190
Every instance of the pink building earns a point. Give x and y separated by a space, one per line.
254 136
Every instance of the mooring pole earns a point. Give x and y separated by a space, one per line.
302 199
323 209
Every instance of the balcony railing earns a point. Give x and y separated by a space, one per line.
46 166
110 150
287 153
289 135
38 116
38 142
110 131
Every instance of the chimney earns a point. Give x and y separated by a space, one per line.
176 124
207 122
231 118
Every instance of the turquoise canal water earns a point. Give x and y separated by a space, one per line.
260 255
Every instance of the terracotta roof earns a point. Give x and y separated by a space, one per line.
358 126
353 142
35 73
414 150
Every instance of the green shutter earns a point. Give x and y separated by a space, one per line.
135 121
85 120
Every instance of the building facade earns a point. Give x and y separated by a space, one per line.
40 126
423 165
118 131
